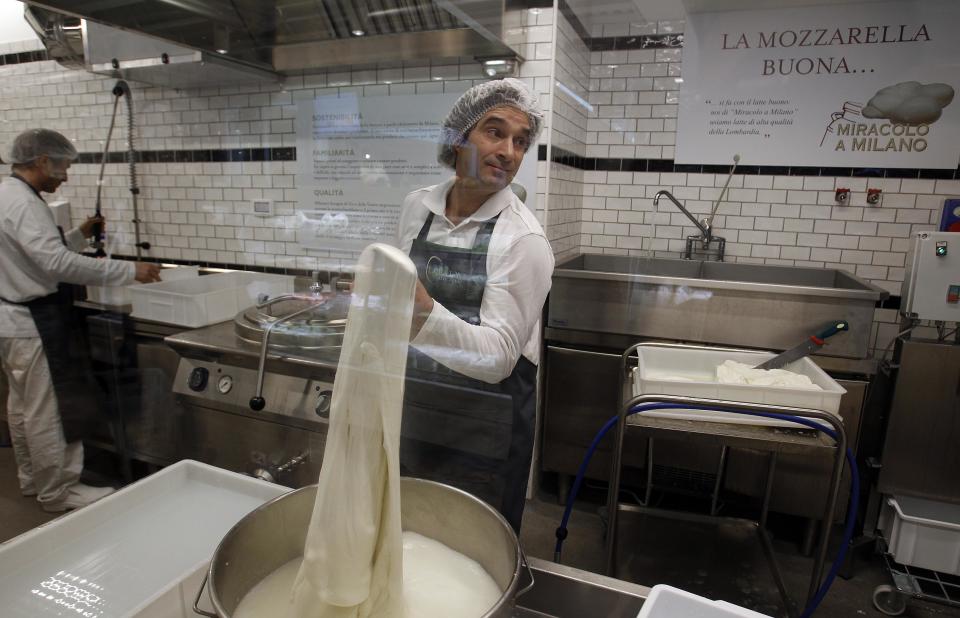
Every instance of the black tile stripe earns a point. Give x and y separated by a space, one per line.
198 156
619 43
636 41
564 157
23 57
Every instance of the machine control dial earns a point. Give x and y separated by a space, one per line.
225 384
198 379
322 407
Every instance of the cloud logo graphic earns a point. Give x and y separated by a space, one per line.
910 103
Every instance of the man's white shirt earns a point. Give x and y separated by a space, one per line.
519 269
33 258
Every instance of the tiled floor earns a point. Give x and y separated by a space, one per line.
17 514
675 555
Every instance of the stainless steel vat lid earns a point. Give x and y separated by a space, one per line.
321 328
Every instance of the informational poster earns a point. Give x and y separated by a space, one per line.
852 85
358 157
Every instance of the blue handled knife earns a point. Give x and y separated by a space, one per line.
811 345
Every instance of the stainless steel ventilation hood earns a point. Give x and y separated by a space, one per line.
212 42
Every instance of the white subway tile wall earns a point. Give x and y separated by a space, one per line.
570 113
610 104
202 211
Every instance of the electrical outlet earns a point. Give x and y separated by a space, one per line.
262 208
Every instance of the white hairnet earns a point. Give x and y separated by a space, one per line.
474 103
35 143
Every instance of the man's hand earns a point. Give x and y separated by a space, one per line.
147 273
86 228
422 306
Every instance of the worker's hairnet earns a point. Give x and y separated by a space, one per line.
474 103
35 143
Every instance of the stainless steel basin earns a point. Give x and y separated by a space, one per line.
796 276
657 267
750 305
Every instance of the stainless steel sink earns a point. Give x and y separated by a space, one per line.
747 305
657 267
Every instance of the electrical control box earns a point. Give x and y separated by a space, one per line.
931 285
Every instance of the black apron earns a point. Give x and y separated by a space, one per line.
63 335
456 429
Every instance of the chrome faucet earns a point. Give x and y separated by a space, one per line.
706 237
706 234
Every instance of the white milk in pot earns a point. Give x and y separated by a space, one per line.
438 582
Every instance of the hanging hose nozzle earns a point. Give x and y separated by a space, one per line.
121 88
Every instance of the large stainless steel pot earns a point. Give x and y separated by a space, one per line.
273 534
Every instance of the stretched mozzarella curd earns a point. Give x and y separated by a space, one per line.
732 372
438 582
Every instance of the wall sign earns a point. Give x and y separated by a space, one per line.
861 85
358 157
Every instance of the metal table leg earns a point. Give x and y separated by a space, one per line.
768 490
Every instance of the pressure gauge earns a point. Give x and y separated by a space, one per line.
322 407
224 384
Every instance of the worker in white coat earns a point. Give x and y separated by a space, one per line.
484 266
53 399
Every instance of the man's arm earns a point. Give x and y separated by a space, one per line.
512 304
40 239
77 237
422 308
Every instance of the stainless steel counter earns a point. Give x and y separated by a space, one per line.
564 592
221 341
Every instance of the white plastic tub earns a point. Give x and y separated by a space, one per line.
669 602
922 533
120 295
205 300
692 373
139 552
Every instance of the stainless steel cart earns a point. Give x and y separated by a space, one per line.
768 439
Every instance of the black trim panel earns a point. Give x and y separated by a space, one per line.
564 157
23 57
195 156
637 41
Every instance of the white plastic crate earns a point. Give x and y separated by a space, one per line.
139 552
692 373
120 295
922 533
669 602
205 300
